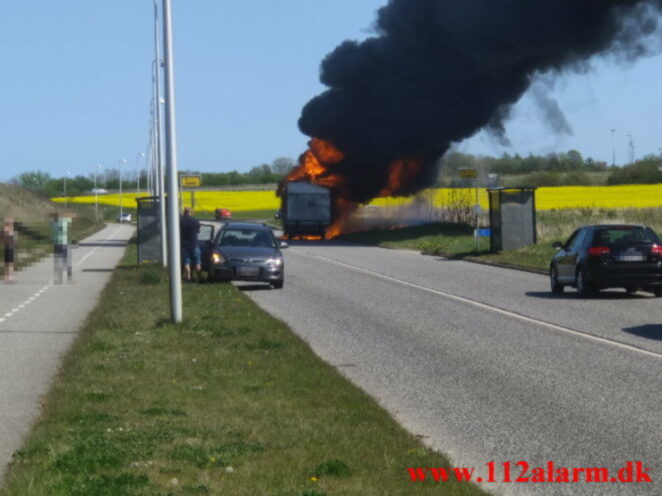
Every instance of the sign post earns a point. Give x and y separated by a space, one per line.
473 174
189 181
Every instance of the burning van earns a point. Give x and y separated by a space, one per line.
307 209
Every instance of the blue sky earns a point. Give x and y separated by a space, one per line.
76 85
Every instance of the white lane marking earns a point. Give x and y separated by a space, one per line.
16 309
485 306
112 236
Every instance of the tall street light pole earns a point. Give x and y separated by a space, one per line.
66 199
123 161
147 165
151 176
160 185
96 193
174 255
140 154
613 147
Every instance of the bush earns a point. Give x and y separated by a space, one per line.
576 178
645 171
541 178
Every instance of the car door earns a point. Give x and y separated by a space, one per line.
205 237
570 256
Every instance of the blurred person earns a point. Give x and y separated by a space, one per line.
61 229
189 227
9 240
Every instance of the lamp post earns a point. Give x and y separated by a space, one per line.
174 255
123 161
96 193
159 186
613 147
630 149
66 203
140 154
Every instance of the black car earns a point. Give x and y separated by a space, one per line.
607 256
244 251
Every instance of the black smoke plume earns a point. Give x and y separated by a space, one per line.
438 71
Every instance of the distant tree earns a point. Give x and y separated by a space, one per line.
34 180
644 171
453 161
261 174
593 165
576 178
282 166
79 185
540 178
532 163
574 160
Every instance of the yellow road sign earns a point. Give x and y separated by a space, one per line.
468 173
190 181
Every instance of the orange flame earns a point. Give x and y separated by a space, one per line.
400 176
343 209
313 164
326 151
316 165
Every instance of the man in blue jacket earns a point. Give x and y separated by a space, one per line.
189 227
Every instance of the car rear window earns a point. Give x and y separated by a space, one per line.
614 236
247 237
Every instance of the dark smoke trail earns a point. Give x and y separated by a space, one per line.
441 70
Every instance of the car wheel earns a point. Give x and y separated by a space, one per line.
278 284
584 287
554 281
657 292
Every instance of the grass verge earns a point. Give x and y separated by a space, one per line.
229 402
456 240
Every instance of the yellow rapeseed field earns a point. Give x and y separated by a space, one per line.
551 198
207 201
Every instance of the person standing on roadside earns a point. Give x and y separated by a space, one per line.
60 224
9 240
189 227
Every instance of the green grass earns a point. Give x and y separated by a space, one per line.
229 402
456 240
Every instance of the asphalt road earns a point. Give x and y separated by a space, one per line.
39 322
483 362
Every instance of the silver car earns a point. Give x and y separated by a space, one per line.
245 251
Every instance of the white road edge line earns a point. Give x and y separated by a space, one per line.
485 306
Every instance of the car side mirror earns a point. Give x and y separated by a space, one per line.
557 244
283 244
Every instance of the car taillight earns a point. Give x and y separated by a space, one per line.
656 249
599 250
